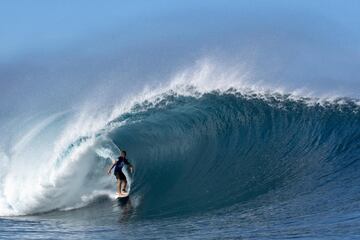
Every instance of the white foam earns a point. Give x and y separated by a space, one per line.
50 182
86 199
210 76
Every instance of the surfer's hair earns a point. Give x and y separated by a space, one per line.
123 152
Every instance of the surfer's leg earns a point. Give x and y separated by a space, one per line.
121 184
124 188
118 186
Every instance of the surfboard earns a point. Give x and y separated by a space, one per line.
122 195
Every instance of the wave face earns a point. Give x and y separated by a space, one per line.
221 149
196 153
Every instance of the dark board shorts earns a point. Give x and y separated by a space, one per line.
120 176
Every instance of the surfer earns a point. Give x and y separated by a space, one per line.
120 177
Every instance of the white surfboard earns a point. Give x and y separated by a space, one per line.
122 195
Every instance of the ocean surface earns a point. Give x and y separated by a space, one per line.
219 163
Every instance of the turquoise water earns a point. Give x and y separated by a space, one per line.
216 165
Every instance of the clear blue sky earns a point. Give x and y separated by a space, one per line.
28 26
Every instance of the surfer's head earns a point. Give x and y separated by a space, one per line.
123 153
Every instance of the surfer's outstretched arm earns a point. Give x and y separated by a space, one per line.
112 166
131 167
